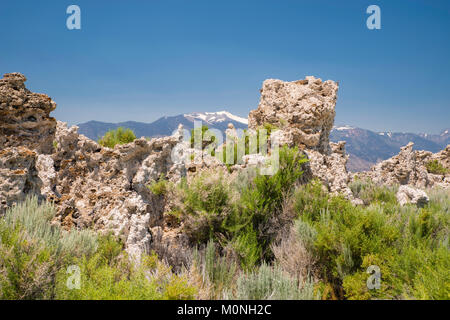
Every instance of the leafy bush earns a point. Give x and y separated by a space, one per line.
118 136
32 250
206 200
26 266
207 193
35 220
247 246
35 255
159 187
110 275
261 202
409 244
434 166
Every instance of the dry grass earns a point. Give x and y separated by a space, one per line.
293 257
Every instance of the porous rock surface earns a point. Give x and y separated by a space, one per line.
18 176
409 168
304 111
25 116
407 194
106 189
91 186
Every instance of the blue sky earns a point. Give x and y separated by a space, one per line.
140 60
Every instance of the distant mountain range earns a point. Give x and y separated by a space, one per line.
165 126
364 147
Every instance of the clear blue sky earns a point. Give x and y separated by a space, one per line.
140 60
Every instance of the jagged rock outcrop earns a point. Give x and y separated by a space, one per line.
407 194
106 189
91 186
304 111
26 132
409 168
18 176
25 116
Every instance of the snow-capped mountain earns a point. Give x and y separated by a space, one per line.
215 117
442 138
166 125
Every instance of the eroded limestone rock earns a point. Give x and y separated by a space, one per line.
304 111
91 186
18 176
407 194
24 116
409 168
106 189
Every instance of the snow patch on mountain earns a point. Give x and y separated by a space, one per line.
215 117
346 127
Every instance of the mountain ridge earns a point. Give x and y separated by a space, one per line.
166 125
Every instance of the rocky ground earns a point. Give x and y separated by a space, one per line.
106 189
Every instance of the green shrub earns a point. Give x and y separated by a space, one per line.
32 250
262 201
118 136
110 275
369 192
247 246
311 198
205 203
27 268
409 244
160 187
34 219
207 193
35 256
434 166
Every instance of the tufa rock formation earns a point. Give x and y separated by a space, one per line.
106 189
409 168
24 116
407 194
26 130
18 176
304 112
304 109
91 186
